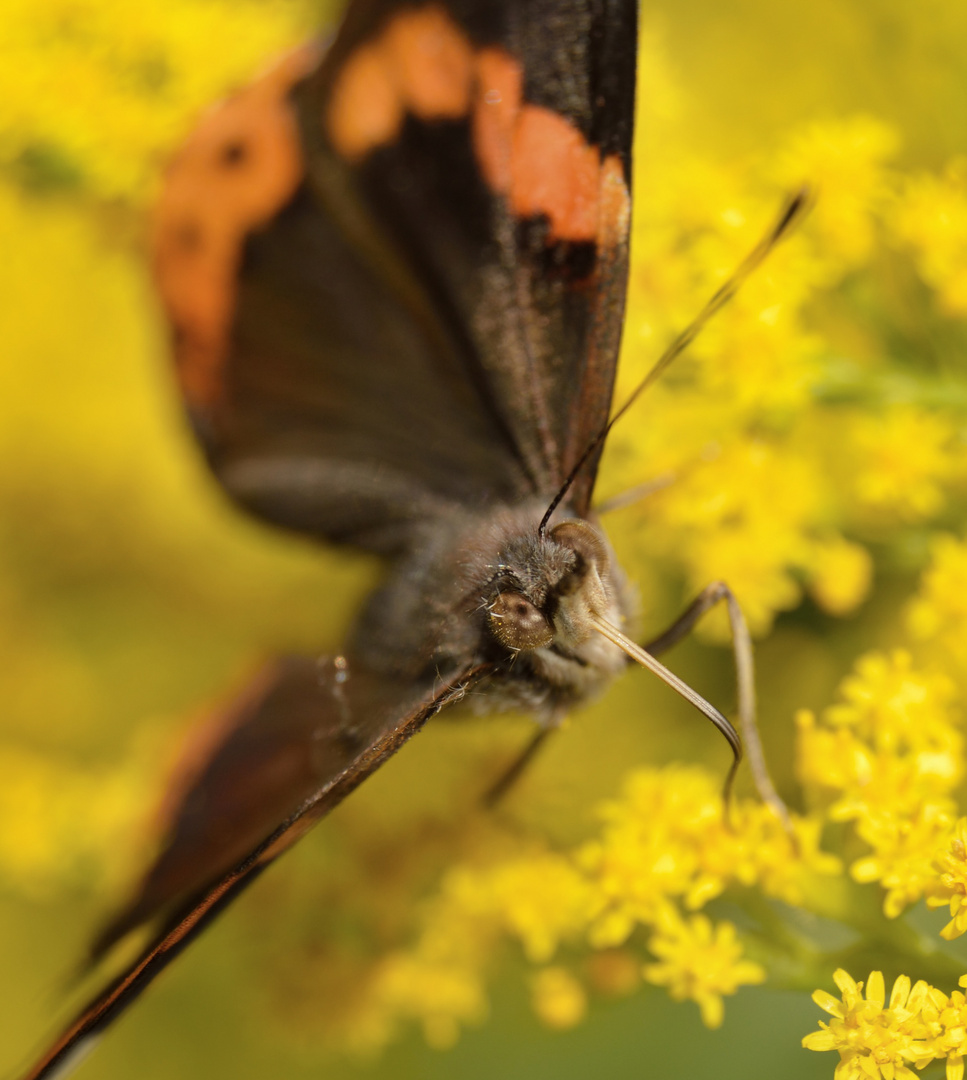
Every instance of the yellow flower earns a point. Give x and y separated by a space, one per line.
931 216
873 1041
650 849
845 161
890 790
951 1042
668 839
97 92
938 614
920 1024
440 994
829 759
700 962
900 461
894 706
558 998
742 516
952 887
840 575
764 855
904 853
537 896
887 757
60 824
891 746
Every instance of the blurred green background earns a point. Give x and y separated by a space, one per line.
131 595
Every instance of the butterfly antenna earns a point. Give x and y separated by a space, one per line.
792 213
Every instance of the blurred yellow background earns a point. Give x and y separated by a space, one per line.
131 594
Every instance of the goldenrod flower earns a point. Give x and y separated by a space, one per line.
60 824
886 757
539 898
700 962
947 1017
558 997
651 849
872 1039
97 93
803 454
752 533
931 216
952 886
893 744
920 1024
904 853
764 855
841 574
439 994
847 161
938 613
896 707
900 462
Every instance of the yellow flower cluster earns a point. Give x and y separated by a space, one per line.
438 993
767 505
804 459
847 162
700 962
938 614
887 759
876 1039
931 216
664 846
96 93
778 453
951 888
558 998
61 824
903 458
667 840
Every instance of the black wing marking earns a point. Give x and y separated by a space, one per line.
371 715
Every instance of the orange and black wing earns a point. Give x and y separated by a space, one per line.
308 733
395 276
402 284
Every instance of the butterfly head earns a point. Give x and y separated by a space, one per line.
551 588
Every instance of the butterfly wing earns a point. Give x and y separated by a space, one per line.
396 275
299 722
264 789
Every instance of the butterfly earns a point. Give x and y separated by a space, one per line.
395 274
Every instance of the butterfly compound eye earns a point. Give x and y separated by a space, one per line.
584 540
517 624
589 550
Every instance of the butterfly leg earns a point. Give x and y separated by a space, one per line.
711 595
509 777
